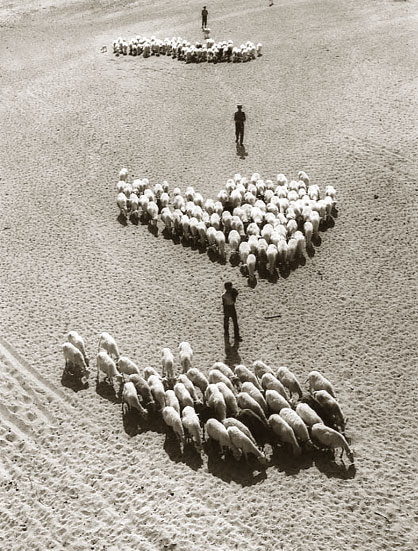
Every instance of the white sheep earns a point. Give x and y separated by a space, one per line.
191 424
167 361
253 391
122 202
74 359
184 379
215 400
285 432
245 401
227 371
106 364
271 382
260 368
297 424
172 400
232 422
220 243
318 382
183 395
108 343
216 376
308 230
157 389
173 420
229 397
77 340
272 254
332 439
218 432
251 264
127 366
185 355
309 416
130 397
275 401
241 442
148 371
198 379
123 174
244 374
143 389
289 380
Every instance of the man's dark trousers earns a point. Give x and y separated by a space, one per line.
239 132
230 312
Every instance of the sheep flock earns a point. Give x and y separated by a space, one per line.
239 410
206 51
264 224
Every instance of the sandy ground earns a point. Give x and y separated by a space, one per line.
334 94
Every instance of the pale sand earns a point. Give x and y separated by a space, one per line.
334 94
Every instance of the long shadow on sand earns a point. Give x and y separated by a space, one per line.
72 381
190 456
229 469
327 464
107 391
134 423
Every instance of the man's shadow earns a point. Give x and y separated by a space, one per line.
232 357
241 151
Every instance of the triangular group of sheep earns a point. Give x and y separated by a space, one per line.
266 223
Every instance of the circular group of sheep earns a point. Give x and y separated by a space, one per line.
241 409
176 47
266 224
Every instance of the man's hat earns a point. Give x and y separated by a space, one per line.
239 105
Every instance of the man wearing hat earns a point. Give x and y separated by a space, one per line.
204 17
239 118
229 298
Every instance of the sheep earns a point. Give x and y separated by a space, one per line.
272 254
309 416
220 243
330 438
123 174
134 204
318 382
172 400
275 401
260 368
241 441
122 202
289 380
143 389
108 366
185 355
76 340
172 419
253 391
297 424
232 422
234 240
167 361
152 211
229 397
108 343
244 251
227 371
183 395
216 431
331 407
216 401
130 397
244 374
284 432
157 390
74 359
251 263
308 230
198 379
270 382
245 401
216 376
191 424
127 366
184 379
314 219
148 371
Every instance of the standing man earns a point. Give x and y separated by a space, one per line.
228 302
204 17
239 118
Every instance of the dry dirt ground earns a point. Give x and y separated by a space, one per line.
334 94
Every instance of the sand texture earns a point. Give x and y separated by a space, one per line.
335 93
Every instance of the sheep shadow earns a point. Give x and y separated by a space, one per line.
107 391
167 234
316 240
134 423
283 460
72 381
327 224
191 457
172 446
122 219
234 259
284 271
153 229
134 219
310 250
252 282
215 257
229 469
325 462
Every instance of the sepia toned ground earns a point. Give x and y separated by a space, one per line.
334 94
